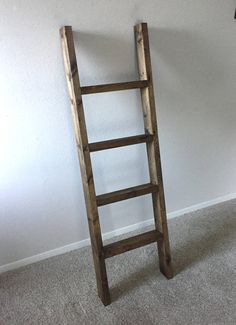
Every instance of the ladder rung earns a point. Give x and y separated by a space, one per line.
114 87
125 194
109 144
128 244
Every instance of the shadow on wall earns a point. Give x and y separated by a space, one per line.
191 57
106 59
111 58
189 76
195 101
192 70
191 84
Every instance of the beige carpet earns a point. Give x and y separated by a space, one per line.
61 290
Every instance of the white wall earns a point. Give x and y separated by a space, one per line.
193 49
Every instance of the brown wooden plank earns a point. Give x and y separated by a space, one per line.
113 87
150 122
109 144
134 242
125 194
73 82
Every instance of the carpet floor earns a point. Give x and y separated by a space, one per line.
62 290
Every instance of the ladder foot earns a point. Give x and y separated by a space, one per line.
106 300
103 291
167 271
165 264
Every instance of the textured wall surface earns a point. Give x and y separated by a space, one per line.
193 49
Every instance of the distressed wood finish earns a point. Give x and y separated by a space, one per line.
150 123
114 87
85 161
134 242
110 144
127 193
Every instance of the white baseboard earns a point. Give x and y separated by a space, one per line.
201 205
111 234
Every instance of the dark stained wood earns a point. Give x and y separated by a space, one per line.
155 187
153 151
125 194
109 144
134 242
85 161
113 87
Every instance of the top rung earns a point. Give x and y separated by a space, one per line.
114 87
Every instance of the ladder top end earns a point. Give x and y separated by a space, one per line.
65 30
140 26
66 27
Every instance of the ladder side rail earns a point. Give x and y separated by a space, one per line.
153 152
72 77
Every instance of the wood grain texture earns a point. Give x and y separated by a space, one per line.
150 122
114 87
155 187
109 144
127 193
134 242
72 77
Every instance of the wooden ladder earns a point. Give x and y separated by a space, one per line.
150 137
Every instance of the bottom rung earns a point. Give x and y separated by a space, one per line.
128 244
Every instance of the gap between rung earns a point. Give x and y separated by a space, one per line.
128 244
114 87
